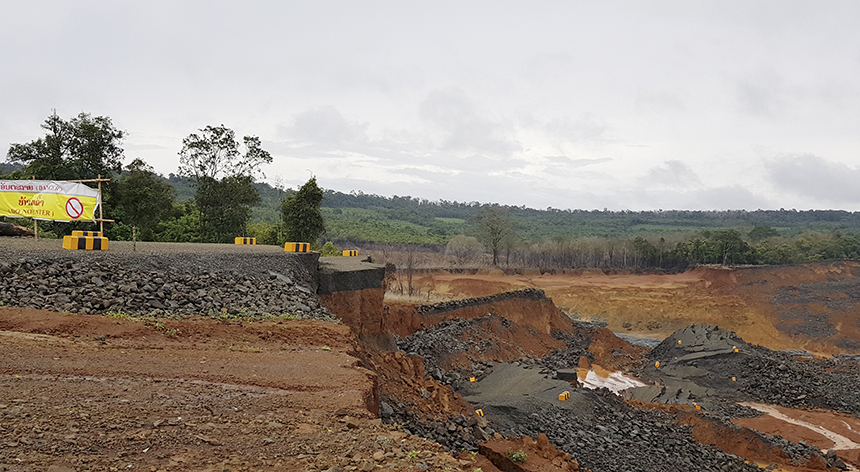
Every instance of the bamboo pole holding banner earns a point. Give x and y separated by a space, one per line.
35 223
101 206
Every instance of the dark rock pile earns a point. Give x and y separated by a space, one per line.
442 307
577 346
438 343
455 433
208 284
706 357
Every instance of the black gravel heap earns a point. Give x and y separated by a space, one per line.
213 284
454 336
762 375
605 435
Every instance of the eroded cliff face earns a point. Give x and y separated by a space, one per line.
529 308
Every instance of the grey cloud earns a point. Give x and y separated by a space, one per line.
672 173
583 128
732 197
568 162
808 175
325 125
455 113
761 95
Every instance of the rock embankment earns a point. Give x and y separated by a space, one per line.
208 284
441 307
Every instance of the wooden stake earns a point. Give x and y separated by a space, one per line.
35 223
101 207
134 238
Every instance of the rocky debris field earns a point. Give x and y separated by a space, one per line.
600 429
210 284
461 343
595 426
700 363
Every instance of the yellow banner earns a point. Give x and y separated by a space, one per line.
48 200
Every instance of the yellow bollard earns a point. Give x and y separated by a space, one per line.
657 364
479 412
566 394
734 379
561 397
735 349
679 342
471 379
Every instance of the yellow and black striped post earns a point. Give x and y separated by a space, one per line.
297 247
240 240
95 234
89 243
350 253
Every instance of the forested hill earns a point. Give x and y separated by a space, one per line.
359 216
369 217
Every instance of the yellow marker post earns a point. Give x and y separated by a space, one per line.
657 364
734 379
561 397
679 342
471 379
479 412
297 247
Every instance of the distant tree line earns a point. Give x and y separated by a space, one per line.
215 196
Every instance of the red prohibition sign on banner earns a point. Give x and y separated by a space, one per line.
74 208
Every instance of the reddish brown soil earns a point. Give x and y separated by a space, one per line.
98 393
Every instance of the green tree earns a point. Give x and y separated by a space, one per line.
80 148
301 213
494 224
224 177
142 199
760 233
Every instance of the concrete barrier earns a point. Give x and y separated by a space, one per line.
89 243
240 240
297 247
95 234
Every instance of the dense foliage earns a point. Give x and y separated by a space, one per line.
303 220
223 177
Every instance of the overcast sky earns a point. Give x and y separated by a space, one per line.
624 105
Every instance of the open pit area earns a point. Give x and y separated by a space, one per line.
161 357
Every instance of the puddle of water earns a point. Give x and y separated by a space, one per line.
599 378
